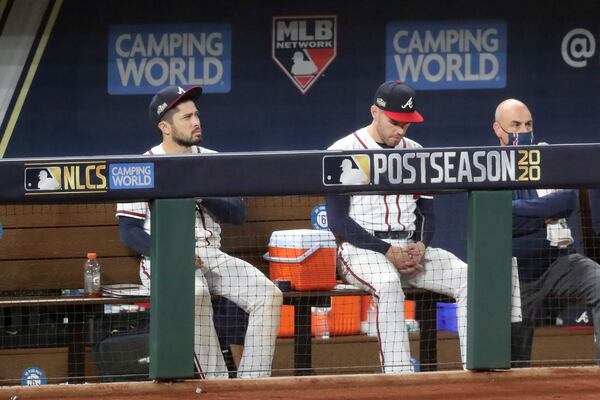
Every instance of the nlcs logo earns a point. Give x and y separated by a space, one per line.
304 46
76 177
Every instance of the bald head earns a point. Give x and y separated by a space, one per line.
507 106
512 116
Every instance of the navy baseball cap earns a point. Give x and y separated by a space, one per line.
397 100
168 98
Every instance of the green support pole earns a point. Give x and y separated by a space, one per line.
172 294
489 256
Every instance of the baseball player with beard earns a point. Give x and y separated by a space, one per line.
385 237
173 111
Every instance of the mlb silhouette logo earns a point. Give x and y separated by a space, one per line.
304 46
42 178
346 170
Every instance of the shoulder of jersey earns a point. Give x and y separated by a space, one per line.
205 150
156 150
410 144
346 143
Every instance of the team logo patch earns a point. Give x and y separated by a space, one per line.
347 170
33 376
318 217
304 46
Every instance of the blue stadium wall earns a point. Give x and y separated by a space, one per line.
76 101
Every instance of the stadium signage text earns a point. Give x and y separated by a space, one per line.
131 176
434 167
81 177
447 55
145 58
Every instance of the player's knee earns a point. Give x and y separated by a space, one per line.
392 287
273 296
201 290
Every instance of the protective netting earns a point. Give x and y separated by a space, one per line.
274 295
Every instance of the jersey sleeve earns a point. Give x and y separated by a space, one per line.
137 210
230 210
134 236
345 228
555 205
425 224
594 195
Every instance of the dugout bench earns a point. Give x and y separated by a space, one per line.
43 250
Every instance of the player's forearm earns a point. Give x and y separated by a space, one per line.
134 236
347 229
594 195
523 226
425 227
230 210
555 205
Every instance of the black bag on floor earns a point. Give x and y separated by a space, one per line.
123 357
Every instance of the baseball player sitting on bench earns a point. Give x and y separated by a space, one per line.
385 237
173 111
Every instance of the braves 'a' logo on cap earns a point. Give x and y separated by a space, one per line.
408 104
347 170
303 46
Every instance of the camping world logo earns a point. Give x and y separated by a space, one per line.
304 46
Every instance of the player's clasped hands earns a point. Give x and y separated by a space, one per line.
406 260
416 251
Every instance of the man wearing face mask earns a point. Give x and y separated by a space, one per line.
542 242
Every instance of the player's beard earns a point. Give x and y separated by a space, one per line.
186 142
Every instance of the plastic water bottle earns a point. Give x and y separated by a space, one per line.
91 277
412 325
321 316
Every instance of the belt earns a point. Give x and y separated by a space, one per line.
397 235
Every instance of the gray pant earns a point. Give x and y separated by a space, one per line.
570 276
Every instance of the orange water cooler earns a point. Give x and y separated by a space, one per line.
304 257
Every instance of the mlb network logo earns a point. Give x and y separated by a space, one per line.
304 46
347 170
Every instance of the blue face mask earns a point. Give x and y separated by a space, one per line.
519 138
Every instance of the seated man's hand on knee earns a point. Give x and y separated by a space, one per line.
417 251
402 260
